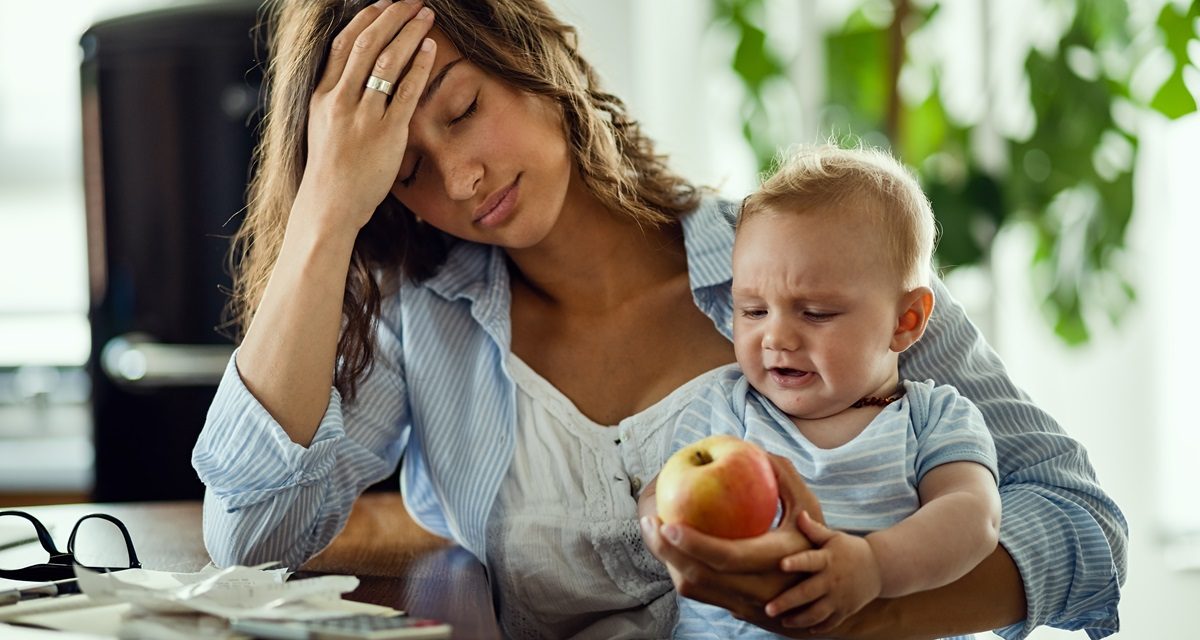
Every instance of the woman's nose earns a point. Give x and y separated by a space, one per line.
462 175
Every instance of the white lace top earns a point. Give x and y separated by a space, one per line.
566 556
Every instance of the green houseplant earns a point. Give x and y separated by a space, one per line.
1070 176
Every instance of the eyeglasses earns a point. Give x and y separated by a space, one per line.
98 542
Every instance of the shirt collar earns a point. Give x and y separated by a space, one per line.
468 268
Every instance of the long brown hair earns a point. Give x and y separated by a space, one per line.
519 42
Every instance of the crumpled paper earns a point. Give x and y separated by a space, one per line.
233 592
143 604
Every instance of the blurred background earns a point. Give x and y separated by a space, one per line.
1058 141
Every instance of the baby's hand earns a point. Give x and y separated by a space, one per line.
845 577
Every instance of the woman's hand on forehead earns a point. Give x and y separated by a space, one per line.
360 112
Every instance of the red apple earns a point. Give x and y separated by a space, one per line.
721 485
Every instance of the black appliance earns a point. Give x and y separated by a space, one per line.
170 113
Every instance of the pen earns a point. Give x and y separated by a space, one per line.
44 590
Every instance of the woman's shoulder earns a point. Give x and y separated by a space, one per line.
708 238
714 213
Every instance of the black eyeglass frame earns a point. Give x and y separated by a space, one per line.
60 565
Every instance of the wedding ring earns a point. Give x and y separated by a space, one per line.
380 85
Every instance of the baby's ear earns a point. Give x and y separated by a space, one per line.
914 310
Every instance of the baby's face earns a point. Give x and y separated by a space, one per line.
814 311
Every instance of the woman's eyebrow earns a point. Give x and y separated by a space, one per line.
435 82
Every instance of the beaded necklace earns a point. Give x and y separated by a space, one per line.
876 401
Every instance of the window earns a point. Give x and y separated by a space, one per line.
43 268
44 335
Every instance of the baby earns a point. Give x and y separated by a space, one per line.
831 269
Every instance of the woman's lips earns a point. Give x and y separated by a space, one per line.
499 206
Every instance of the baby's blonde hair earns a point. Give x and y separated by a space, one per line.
823 177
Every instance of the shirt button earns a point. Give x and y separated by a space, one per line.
636 483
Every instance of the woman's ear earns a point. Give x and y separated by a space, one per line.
914 310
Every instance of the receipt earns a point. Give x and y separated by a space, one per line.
160 605
233 592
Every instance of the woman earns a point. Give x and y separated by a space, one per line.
489 272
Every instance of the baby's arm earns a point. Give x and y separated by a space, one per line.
956 527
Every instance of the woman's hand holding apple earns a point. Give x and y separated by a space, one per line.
741 575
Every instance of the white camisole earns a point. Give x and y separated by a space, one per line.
566 557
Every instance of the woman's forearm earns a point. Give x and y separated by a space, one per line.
991 596
1068 535
288 356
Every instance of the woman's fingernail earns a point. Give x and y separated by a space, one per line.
425 13
647 527
672 533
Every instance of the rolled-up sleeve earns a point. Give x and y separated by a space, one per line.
1067 537
270 499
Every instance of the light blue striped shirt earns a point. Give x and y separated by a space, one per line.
867 484
441 395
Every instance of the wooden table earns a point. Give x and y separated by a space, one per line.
399 565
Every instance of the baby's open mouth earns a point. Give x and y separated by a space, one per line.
783 371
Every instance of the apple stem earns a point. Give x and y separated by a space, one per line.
701 458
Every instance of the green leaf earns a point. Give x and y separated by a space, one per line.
988 197
1071 327
1104 19
1176 29
723 10
923 131
856 72
956 246
1173 98
753 62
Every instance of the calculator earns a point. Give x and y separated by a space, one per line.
355 627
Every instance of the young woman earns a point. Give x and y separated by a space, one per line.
461 251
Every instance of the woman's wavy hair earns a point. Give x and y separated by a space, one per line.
519 42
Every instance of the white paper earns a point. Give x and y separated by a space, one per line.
104 620
43 605
161 605
181 627
234 592
9 632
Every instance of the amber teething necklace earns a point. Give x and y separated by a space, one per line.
876 401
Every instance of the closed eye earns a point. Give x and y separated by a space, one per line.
471 109
474 106
406 182
754 314
817 316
